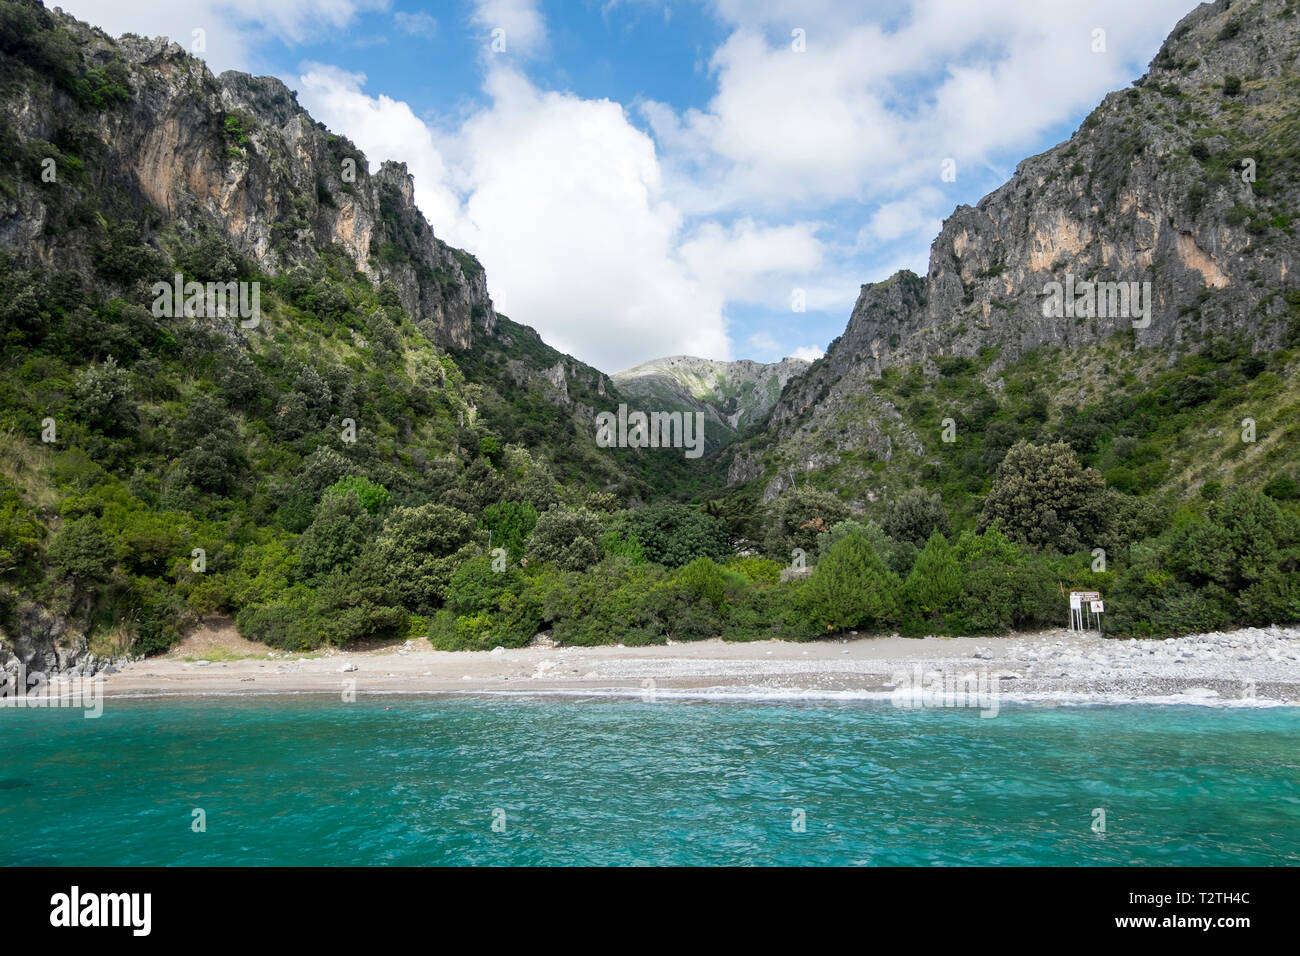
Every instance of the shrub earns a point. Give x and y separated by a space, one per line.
1282 488
510 522
935 582
706 581
915 515
679 611
613 602
337 536
1002 588
1044 498
756 570
80 551
897 555
776 612
357 605
158 616
476 587
1240 563
289 622
676 535
419 549
103 392
372 497
20 532
566 538
798 517
122 255
852 588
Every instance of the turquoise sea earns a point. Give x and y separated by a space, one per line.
421 780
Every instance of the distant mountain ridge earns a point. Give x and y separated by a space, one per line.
733 396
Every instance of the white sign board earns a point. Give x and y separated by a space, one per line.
1081 601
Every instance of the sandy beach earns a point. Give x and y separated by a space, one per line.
1250 667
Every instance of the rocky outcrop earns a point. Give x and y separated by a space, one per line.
1153 188
44 641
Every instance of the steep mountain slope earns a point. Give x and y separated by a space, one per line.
123 155
161 460
733 396
1188 181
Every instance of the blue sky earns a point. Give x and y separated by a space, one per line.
643 178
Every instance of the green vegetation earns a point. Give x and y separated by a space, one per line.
174 440
31 37
336 476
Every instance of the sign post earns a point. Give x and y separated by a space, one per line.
1083 603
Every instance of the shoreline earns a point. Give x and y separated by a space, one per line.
1253 667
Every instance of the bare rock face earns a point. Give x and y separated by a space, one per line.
1153 188
238 154
41 641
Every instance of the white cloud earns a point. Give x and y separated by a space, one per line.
416 24
752 263
523 25
809 353
875 102
920 213
561 199
574 230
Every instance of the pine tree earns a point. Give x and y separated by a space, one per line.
852 587
934 584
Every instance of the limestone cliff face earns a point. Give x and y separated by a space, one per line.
237 153
1152 188
1187 181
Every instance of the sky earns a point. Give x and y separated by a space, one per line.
717 178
